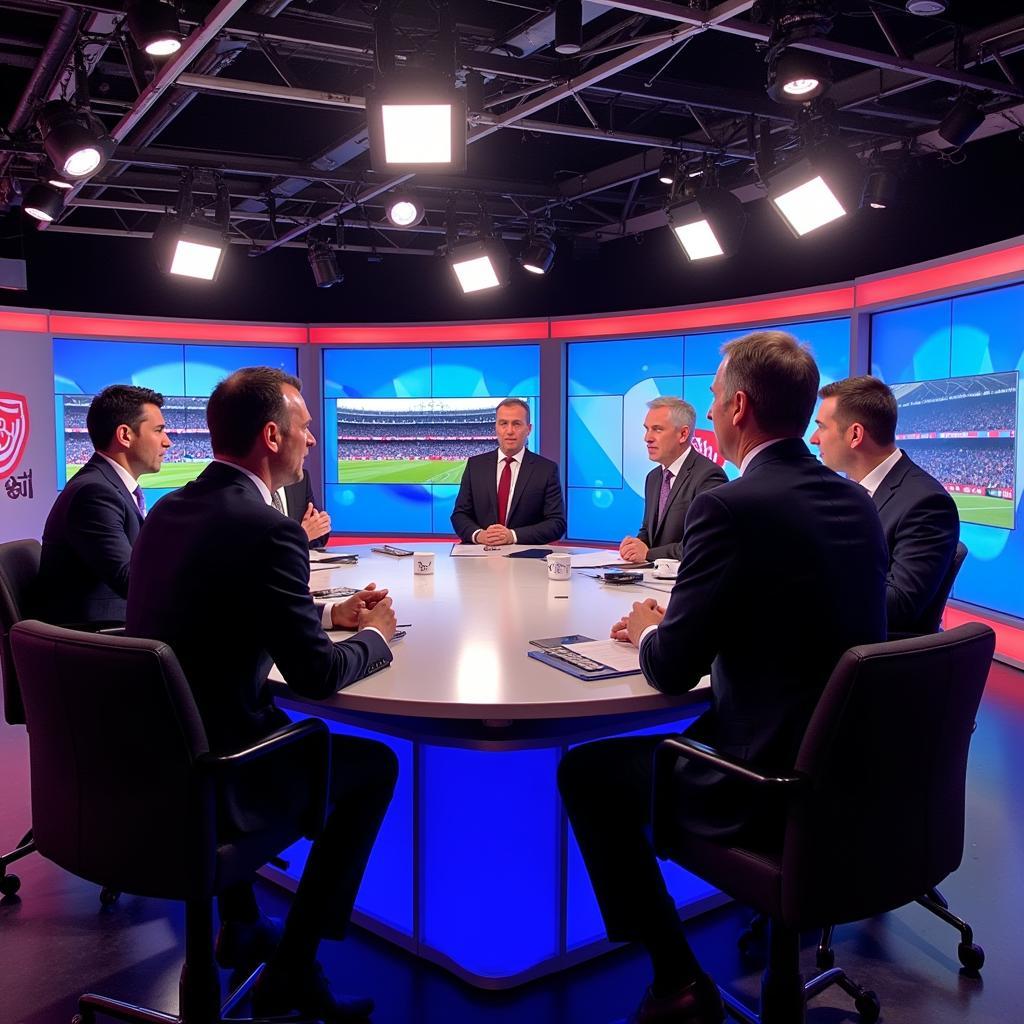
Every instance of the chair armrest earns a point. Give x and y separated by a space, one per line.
303 748
671 750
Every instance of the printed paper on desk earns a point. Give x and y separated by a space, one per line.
596 559
611 653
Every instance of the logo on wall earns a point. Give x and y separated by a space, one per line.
706 443
14 427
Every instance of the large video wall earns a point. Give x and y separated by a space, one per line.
184 374
399 424
609 386
954 366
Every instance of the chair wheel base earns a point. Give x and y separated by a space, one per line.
9 885
868 1007
825 959
108 897
972 956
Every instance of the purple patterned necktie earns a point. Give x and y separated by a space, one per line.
140 500
666 491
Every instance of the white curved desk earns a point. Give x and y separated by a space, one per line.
475 867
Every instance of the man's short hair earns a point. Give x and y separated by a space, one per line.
114 405
242 404
778 375
514 401
681 413
868 401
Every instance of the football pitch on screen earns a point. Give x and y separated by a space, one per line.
172 474
400 471
977 508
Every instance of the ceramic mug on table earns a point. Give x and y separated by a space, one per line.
666 568
559 567
423 563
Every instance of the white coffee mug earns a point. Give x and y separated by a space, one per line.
666 568
559 567
423 563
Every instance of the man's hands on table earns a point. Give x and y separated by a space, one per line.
629 628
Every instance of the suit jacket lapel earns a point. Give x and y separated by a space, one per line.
887 488
115 481
651 502
677 485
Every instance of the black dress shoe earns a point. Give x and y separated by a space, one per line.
696 1003
241 945
278 993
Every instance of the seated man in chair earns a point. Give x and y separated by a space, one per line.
223 579
782 571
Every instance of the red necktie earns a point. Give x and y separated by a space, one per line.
504 486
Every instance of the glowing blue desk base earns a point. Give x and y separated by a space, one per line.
475 868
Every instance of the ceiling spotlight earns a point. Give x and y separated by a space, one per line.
962 121
404 211
667 170
709 224
323 263
190 244
416 121
798 76
881 188
480 265
74 140
539 253
926 8
58 182
154 26
817 188
43 202
568 27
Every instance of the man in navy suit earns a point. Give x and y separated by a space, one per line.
782 571
298 501
681 475
223 578
89 533
857 436
511 496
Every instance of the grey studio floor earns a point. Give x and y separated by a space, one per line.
56 942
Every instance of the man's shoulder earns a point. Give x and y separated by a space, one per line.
703 466
911 485
538 460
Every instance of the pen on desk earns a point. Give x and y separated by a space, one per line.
402 625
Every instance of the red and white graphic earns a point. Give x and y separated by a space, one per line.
13 431
707 444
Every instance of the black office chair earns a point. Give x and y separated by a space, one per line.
19 567
931 618
125 792
890 737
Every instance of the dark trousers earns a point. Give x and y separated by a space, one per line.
606 788
363 776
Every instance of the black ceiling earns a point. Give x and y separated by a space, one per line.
581 152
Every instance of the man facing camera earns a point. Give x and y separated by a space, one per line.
857 436
511 496
683 473
297 501
223 578
782 571
89 533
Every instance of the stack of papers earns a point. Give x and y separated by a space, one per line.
611 653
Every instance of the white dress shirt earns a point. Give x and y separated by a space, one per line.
515 465
880 472
678 464
130 483
325 612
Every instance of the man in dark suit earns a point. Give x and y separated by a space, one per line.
759 552
682 474
511 496
298 502
89 533
223 578
857 436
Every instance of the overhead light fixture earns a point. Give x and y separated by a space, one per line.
819 187
154 26
416 121
926 8
190 244
43 202
404 210
58 182
568 27
539 254
709 224
667 170
74 139
323 263
798 76
962 121
480 265
881 188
